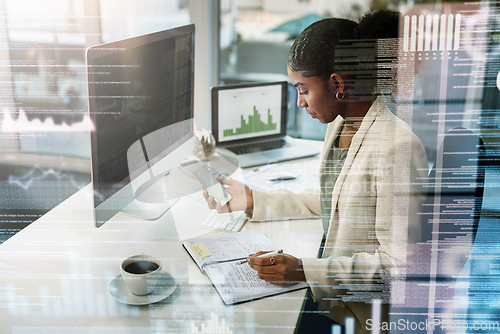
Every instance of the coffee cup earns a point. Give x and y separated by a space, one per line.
140 273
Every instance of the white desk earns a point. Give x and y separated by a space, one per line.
54 274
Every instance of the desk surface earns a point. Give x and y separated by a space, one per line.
54 274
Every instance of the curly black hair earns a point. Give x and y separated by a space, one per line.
313 52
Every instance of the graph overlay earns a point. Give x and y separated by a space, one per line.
249 112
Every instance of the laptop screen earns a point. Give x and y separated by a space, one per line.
249 111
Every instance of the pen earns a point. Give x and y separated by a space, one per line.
266 254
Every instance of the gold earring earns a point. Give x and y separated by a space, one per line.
339 95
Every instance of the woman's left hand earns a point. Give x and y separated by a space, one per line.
284 270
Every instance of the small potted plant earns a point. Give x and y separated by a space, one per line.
204 146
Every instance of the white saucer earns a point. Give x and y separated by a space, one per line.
121 294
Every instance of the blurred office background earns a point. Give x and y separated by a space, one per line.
45 143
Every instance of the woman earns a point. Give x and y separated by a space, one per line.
369 163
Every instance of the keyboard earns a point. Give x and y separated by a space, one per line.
229 222
257 147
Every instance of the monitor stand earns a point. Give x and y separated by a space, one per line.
149 204
150 227
148 211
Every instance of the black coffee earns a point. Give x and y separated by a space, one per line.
141 267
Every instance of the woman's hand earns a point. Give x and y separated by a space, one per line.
242 198
284 270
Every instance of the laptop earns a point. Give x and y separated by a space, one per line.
249 124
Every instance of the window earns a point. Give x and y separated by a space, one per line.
44 121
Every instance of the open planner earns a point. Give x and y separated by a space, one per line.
235 283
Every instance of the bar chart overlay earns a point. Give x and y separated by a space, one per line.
254 124
249 112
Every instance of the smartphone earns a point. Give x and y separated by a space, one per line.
208 181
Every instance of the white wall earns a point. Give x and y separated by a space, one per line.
204 15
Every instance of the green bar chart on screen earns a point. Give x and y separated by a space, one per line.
254 124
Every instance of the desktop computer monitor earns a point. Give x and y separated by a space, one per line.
141 104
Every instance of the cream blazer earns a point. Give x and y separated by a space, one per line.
376 199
